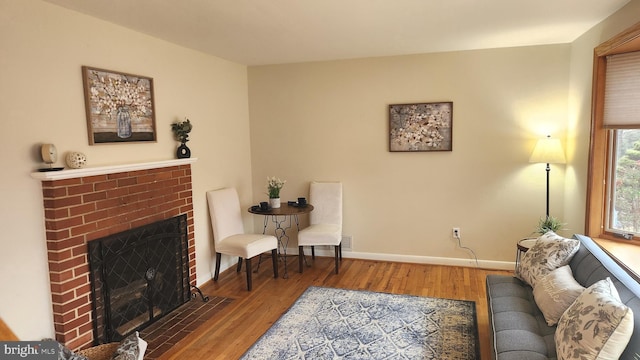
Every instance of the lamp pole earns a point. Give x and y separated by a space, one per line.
548 170
548 151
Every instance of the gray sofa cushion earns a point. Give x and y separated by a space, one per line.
519 328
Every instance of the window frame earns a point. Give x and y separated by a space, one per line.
599 158
614 155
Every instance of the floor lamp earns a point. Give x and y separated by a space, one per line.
548 151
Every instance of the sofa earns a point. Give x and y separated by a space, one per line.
518 328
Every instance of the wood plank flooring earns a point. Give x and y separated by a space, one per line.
5 333
240 324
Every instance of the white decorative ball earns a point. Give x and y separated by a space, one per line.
76 160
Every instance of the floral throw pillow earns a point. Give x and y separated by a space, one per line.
550 252
555 292
128 349
64 353
596 326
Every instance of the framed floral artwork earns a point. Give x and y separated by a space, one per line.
119 106
421 127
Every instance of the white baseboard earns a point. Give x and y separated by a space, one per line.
203 279
484 264
433 260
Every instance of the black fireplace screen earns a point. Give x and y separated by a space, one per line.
137 277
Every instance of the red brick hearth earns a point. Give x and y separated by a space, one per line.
80 209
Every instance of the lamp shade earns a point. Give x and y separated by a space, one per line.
548 151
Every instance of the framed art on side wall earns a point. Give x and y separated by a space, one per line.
119 106
421 127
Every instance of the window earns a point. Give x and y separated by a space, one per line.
613 195
623 183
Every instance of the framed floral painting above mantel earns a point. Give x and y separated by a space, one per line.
119 106
421 127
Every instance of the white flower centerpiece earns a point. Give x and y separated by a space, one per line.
274 185
121 99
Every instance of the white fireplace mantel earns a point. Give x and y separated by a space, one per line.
103 170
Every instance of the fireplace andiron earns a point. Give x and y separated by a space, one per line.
194 295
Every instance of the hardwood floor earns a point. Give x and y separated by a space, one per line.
5 333
241 323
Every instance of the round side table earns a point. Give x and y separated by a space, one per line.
523 246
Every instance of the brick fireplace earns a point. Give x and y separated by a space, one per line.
88 204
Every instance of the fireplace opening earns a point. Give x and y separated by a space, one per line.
137 277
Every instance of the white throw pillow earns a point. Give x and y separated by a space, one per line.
550 252
142 347
555 292
596 326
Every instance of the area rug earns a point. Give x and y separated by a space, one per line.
328 323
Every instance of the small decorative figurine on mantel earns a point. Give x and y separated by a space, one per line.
181 132
76 160
49 156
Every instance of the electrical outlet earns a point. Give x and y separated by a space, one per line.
456 232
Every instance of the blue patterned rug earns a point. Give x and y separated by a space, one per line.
328 323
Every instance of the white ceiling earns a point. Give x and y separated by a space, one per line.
258 32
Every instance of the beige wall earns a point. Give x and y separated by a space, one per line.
578 129
41 98
329 121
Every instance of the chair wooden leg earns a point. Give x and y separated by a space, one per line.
300 258
274 259
313 252
340 251
259 262
217 272
248 262
337 252
239 268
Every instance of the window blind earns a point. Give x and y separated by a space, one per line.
622 91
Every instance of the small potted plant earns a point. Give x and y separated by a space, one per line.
547 224
274 185
181 132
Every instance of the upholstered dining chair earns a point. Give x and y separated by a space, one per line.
325 221
229 236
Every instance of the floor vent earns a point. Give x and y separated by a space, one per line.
347 242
